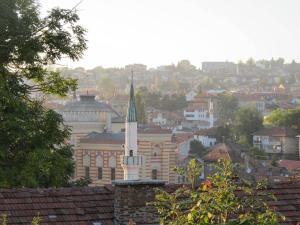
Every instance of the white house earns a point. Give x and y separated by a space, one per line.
190 96
158 119
207 137
201 113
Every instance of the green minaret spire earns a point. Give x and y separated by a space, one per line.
131 112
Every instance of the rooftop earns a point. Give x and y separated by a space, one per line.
207 132
289 164
87 103
104 138
276 132
91 205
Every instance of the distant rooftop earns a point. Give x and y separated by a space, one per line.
276 132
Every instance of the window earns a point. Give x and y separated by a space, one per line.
87 172
112 162
154 174
99 161
86 160
112 173
131 153
99 173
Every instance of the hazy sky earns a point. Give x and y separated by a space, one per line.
157 32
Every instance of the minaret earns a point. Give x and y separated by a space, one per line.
211 113
131 161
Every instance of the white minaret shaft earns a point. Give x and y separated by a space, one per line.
131 161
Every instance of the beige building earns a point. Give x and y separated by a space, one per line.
98 156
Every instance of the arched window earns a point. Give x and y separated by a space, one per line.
112 162
99 161
131 153
86 160
99 165
156 151
154 174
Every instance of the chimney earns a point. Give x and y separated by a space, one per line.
130 201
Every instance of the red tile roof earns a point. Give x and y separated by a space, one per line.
219 151
183 137
83 206
289 164
64 206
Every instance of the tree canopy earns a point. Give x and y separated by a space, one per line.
228 105
197 148
246 121
33 148
220 200
285 118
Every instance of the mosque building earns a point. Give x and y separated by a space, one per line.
139 153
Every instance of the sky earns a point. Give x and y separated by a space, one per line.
162 32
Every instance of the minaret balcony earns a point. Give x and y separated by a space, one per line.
131 160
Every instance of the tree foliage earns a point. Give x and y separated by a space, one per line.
246 122
285 118
106 87
227 106
220 200
197 148
33 148
163 102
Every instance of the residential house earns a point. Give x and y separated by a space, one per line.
157 118
202 112
207 137
292 166
217 152
252 100
276 140
190 96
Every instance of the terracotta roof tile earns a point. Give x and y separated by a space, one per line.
82 206
58 206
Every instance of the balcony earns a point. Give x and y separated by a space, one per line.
131 160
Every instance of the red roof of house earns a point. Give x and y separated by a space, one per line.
219 151
182 137
289 164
